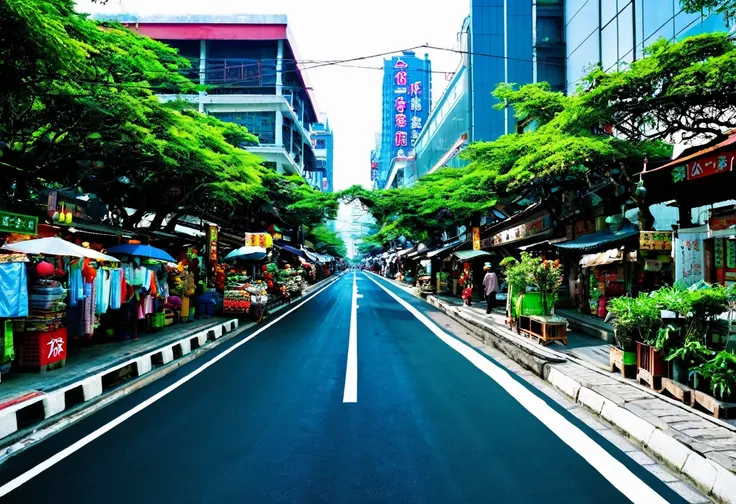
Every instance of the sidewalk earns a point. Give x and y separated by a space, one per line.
35 405
693 443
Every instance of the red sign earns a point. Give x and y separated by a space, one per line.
713 164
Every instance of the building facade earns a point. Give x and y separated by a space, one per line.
517 42
407 98
250 64
613 33
323 141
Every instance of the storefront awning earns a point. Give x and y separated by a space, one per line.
311 256
541 244
601 240
391 259
407 251
446 247
467 255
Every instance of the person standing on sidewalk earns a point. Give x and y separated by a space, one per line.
490 286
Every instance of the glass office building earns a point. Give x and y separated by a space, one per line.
501 41
615 32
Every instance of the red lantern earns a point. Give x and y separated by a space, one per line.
270 284
44 269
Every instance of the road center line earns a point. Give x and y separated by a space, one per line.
614 471
58 457
350 394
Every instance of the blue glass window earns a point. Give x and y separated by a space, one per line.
658 16
626 35
608 11
609 46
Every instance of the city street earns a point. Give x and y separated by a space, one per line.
329 403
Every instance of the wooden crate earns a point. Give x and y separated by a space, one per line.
544 329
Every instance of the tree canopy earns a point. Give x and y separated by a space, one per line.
79 110
327 240
727 8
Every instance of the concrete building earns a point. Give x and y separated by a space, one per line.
323 141
250 62
407 98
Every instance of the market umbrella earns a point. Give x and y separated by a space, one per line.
247 253
58 247
136 249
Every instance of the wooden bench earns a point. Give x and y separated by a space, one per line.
544 329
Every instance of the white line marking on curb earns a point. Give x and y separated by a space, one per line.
614 471
350 394
58 457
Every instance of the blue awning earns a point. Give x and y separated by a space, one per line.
291 250
601 240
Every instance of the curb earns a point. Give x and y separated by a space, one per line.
716 480
149 367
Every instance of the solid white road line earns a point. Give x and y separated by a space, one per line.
350 394
614 471
58 457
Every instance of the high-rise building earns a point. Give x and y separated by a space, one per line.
521 42
249 62
407 98
324 145
613 33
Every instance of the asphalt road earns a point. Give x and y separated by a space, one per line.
265 422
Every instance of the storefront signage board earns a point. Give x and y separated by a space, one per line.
689 258
520 232
721 223
18 223
476 237
705 166
655 240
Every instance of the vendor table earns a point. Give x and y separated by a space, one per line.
544 329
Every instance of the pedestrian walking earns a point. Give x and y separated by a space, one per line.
490 286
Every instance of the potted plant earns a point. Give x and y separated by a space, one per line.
635 321
720 372
691 354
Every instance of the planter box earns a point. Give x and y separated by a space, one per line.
624 362
651 366
719 409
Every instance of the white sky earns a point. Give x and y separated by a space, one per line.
337 30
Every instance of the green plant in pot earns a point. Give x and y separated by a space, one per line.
691 354
634 319
720 372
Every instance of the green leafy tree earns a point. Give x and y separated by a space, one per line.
328 241
727 8
79 109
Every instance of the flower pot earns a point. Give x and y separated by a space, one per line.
679 371
651 365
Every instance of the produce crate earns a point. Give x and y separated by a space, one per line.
42 351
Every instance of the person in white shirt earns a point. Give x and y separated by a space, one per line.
490 286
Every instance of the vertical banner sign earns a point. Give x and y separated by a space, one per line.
212 235
410 111
476 237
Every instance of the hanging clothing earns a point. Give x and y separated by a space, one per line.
13 290
116 286
185 306
76 285
89 308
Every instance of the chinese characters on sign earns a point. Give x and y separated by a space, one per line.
408 110
18 223
476 237
704 166
518 233
655 240
56 347
212 233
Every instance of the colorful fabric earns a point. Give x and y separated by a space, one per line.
76 286
13 290
116 289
